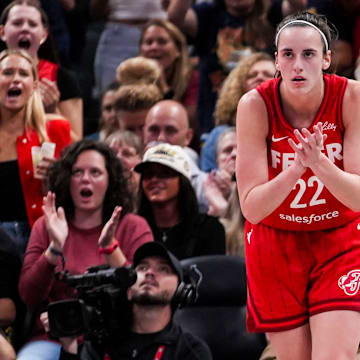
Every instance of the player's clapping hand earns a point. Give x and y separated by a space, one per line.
309 146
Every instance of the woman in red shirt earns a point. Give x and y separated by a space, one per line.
23 125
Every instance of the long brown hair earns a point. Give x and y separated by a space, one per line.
182 67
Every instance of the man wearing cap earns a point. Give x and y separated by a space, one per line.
153 334
168 122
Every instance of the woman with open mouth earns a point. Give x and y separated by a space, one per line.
87 222
24 25
23 126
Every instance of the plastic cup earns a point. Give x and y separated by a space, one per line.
48 150
36 156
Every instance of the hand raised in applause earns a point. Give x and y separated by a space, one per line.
215 197
56 223
50 94
108 232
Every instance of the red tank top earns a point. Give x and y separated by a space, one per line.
309 206
48 70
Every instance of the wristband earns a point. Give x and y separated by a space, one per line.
110 249
58 253
55 252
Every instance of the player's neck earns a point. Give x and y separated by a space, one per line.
300 111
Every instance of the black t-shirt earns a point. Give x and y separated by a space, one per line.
177 345
205 236
11 194
67 84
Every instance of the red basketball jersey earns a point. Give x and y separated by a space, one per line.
309 206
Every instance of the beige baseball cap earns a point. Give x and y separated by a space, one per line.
172 156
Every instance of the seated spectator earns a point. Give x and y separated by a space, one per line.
107 123
164 42
25 25
219 183
249 73
87 222
168 202
128 148
167 121
139 90
152 301
23 126
11 308
222 195
222 32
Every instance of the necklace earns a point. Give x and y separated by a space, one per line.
164 234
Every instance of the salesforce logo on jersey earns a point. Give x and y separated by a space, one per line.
309 219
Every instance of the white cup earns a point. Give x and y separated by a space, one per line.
36 156
48 149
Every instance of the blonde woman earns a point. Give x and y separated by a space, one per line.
140 88
23 125
249 73
24 25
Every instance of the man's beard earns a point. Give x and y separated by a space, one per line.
146 299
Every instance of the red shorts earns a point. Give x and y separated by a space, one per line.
294 275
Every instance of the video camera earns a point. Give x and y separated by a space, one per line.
101 307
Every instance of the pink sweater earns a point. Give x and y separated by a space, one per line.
38 285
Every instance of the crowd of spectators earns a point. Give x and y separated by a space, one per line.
144 135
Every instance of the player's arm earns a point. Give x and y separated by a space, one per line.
259 197
345 184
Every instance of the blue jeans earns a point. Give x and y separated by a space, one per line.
117 43
19 231
39 350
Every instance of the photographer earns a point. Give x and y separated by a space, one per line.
157 292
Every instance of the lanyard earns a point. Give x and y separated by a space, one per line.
159 352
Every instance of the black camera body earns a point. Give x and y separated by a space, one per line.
101 308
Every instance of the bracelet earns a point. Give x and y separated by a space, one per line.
110 249
58 253
55 252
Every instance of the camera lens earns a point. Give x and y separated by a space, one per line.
65 318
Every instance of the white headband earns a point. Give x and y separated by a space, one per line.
306 23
